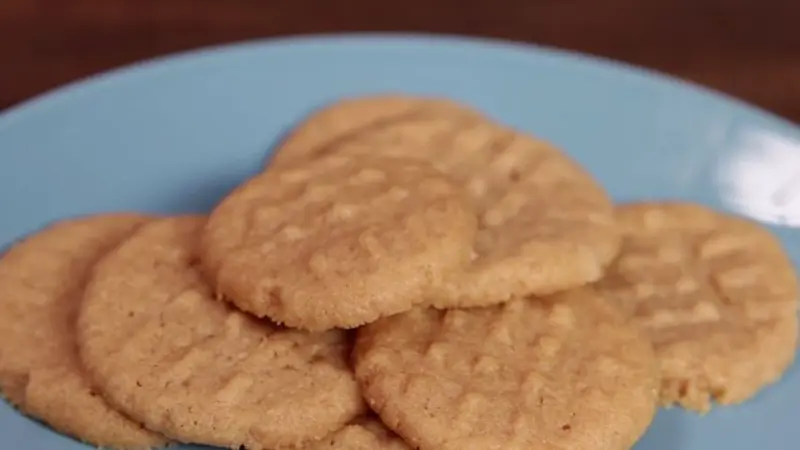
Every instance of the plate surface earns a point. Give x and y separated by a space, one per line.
174 135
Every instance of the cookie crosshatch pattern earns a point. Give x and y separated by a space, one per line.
339 241
716 294
408 274
545 224
511 376
165 351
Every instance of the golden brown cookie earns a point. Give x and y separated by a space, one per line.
41 285
545 225
348 116
366 433
338 241
165 351
563 370
715 293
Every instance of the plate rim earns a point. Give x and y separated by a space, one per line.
348 41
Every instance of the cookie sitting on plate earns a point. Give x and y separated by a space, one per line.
715 293
42 279
162 349
563 370
338 241
544 224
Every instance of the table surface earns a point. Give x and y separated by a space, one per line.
747 48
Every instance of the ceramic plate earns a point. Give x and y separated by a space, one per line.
175 134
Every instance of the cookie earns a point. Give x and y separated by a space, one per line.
562 370
41 284
367 433
545 225
348 116
715 293
338 241
164 350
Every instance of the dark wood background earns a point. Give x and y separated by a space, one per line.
748 48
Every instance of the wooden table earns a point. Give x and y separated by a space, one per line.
748 48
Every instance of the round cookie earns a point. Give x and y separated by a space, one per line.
545 225
563 371
348 116
166 352
338 241
367 433
41 284
715 293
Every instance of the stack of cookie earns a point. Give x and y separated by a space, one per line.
406 273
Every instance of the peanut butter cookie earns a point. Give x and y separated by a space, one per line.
348 116
544 224
715 293
338 241
41 285
557 372
366 433
165 351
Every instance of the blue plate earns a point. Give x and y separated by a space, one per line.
174 135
